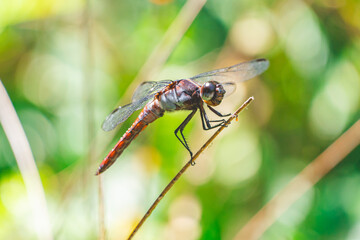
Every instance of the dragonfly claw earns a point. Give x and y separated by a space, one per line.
192 161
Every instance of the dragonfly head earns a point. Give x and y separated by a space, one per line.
212 93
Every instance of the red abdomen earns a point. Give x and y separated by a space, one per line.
149 114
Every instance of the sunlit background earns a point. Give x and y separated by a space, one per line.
67 64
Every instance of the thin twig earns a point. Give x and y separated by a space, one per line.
174 180
101 210
88 89
306 179
26 162
168 43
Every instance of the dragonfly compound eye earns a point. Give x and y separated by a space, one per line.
208 90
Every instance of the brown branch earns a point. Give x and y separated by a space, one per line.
101 212
168 43
306 179
88 90
174 180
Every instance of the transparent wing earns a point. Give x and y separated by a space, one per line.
122 113
149 88
142 95
237 73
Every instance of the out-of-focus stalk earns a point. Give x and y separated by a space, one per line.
26 162
305 180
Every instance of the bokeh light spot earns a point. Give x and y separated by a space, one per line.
238 157
334 104
184 216
305 43
252 36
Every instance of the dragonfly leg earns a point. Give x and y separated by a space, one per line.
205 121
181 128
222 122
218 113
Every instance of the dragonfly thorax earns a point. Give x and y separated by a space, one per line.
212 93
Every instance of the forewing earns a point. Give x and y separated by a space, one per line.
142 95
122 113
237 73
148 88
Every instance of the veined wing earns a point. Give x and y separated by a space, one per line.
149 88
142 95
122 113
237 73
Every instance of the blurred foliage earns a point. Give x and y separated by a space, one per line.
64 75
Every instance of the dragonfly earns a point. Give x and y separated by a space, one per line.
157 97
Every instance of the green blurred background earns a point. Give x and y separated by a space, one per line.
67 64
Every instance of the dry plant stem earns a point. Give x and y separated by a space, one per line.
101 209
88 89
173 181
167 44
306 179
25 160
88 79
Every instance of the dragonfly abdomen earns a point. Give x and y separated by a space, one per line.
150 113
